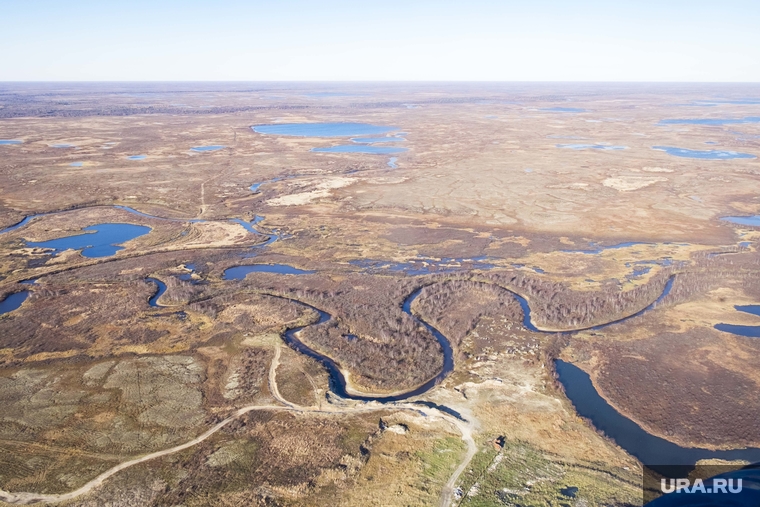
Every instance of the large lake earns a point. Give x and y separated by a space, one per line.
101 240
323 129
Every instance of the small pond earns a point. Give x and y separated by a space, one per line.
213 147
10 141
753 221
703 154
13 301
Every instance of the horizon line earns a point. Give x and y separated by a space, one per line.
359 81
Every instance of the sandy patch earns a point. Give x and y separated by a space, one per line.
321 190
629 183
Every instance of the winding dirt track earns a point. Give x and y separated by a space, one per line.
24 498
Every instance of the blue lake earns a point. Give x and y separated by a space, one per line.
591 147
752 220
563 110
10 141
103 241
322 129
751 309
746 331
240 272
13 301
139 157
213 147
76 164
710 121
370 140
354 148
706 155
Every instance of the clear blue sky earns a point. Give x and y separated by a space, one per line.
499 40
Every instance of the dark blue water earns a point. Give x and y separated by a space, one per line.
22 223
10 141
649 449
353 148
213 147
102 242
370 140
322 129
751 309
710 121
591 147
138 157
752 221
563 109
746 331
249 226
392 163
705 155
13 301
161 288
749 496
240 272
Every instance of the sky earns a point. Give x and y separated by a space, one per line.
376 40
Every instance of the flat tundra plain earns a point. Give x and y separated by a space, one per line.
580 201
